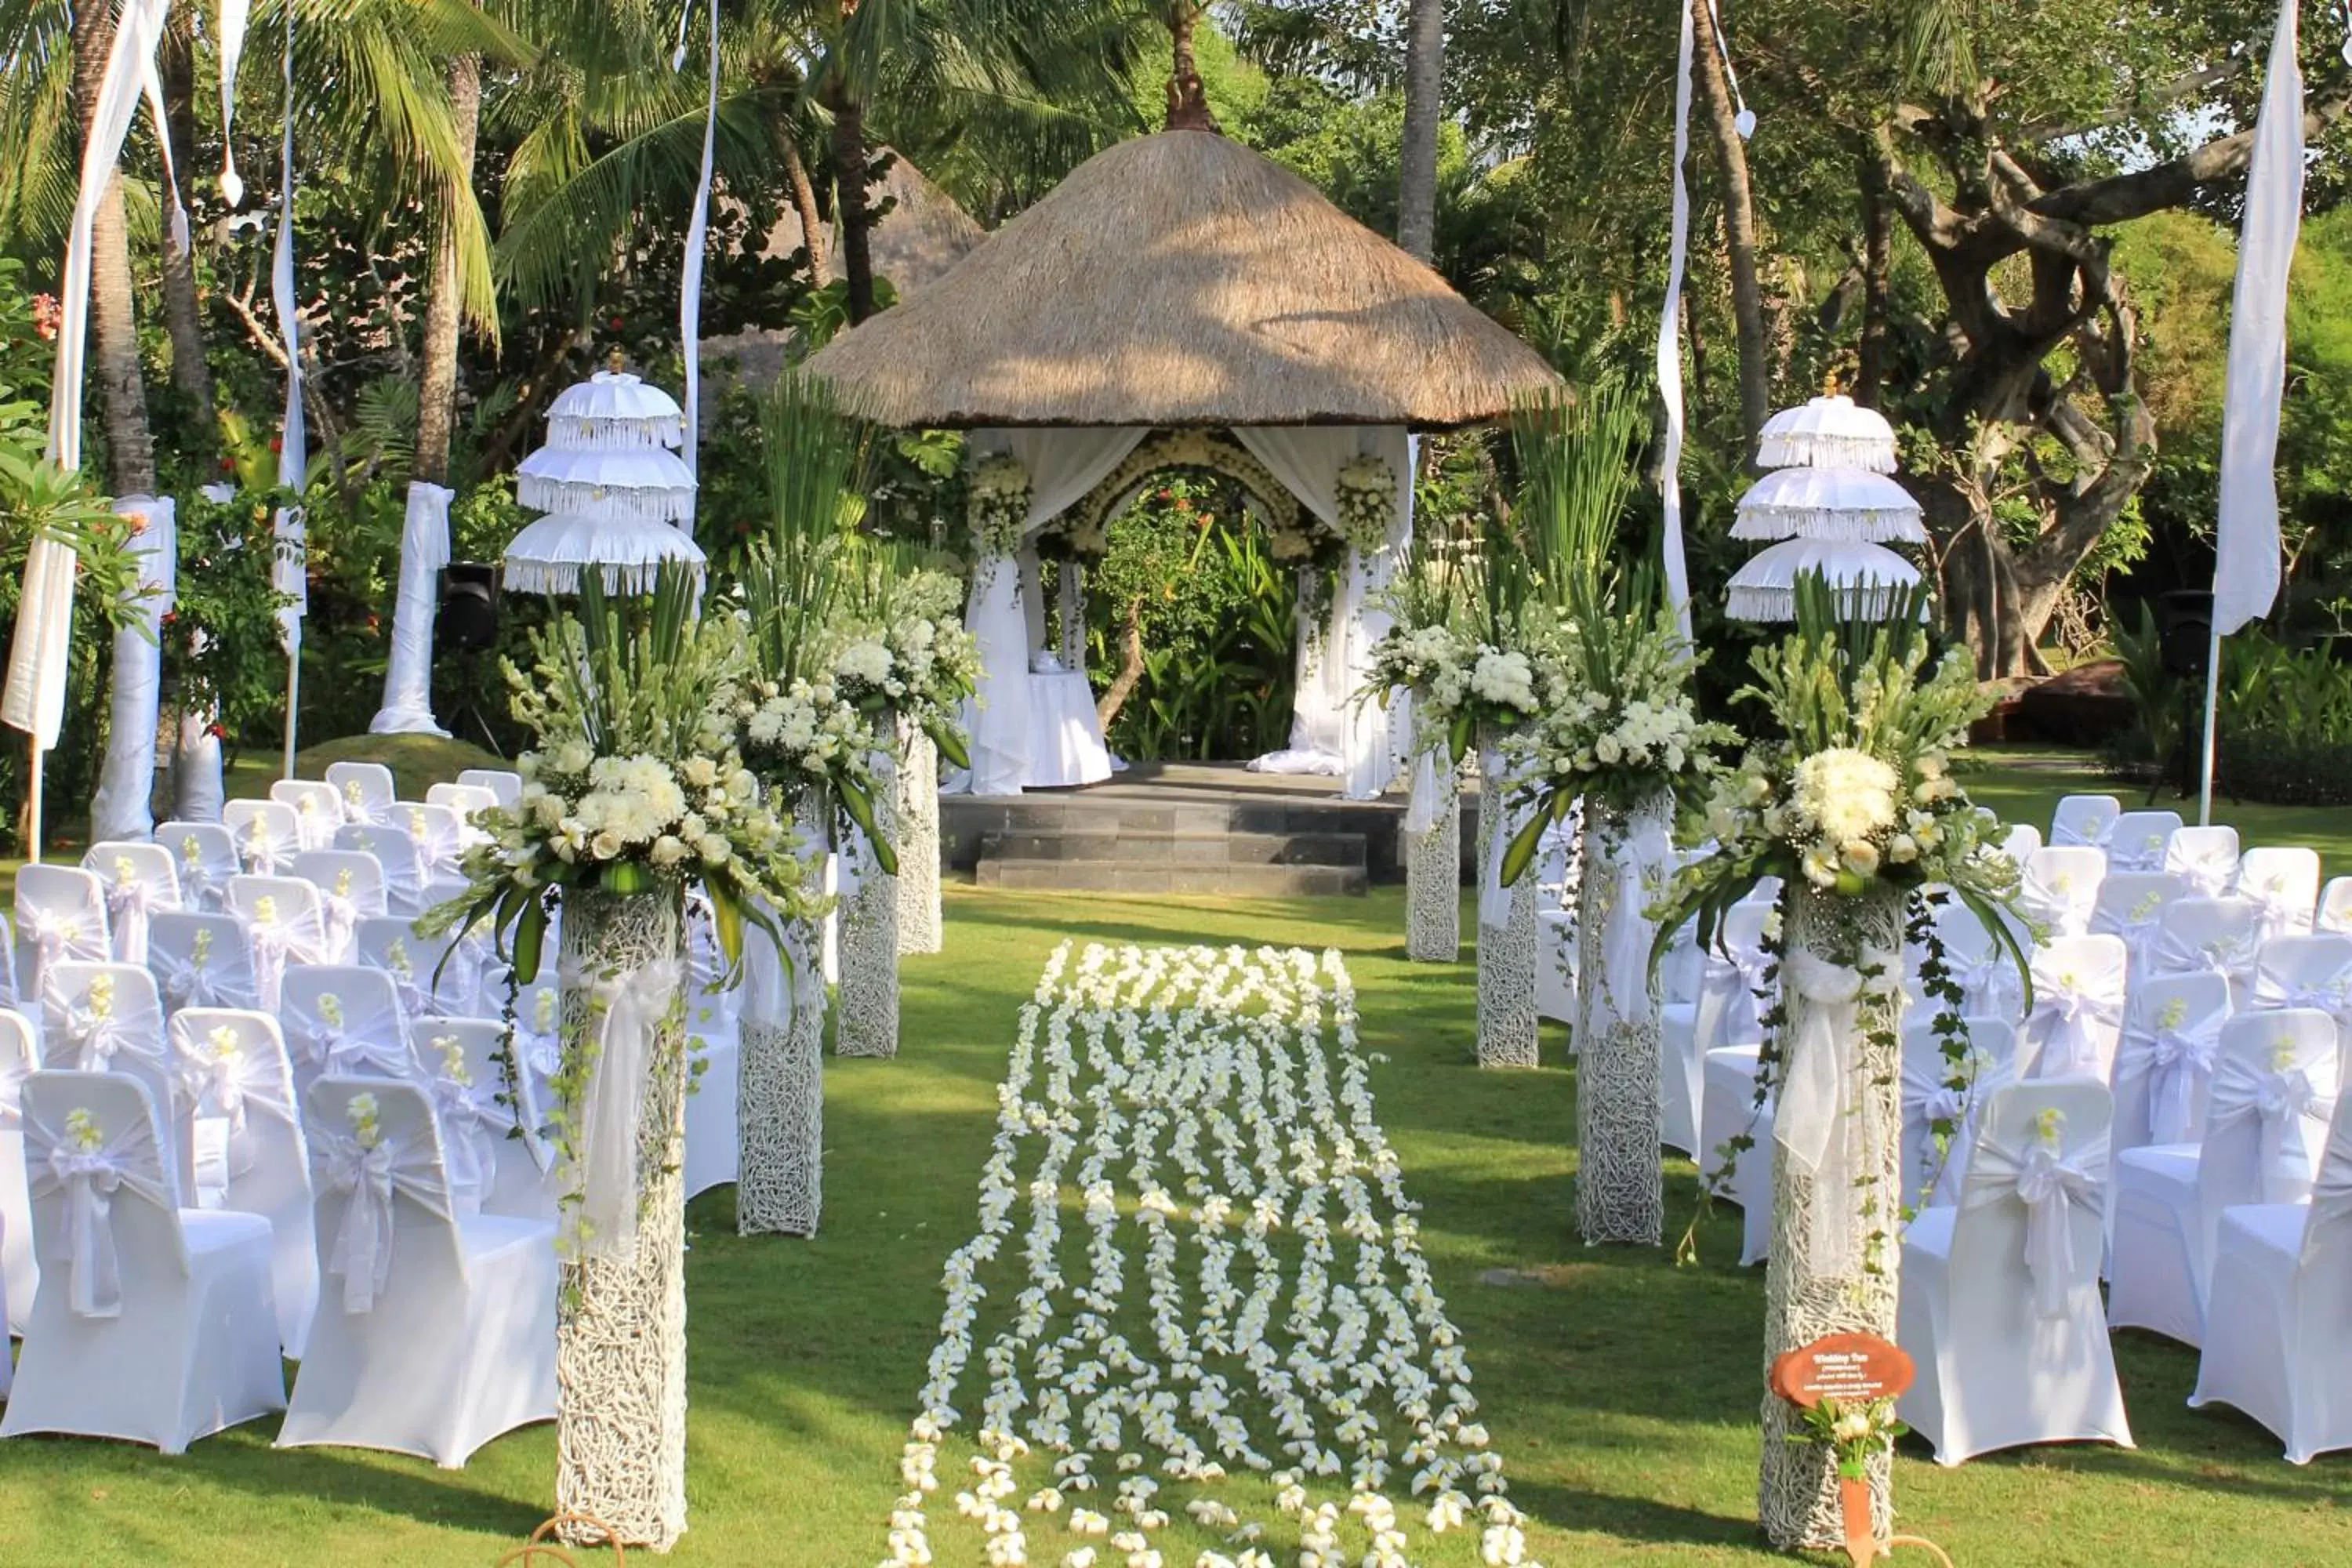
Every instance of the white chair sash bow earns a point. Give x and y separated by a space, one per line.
1736 980
273 944
630 1007
1929 1096
53 931
237 1081
1988 983
185 983
199 888
1814 1125
362 1254
340 913
2225 954
2177 1064
96 1038
130 901
2279 1100
2060 902
2332 997
2070 1014
2050 1184
83 1241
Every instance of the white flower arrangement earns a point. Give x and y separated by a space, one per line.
1365 497
999 504
1202 1102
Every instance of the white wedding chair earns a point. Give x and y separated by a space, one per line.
2164 1064
2335 906
2137 841
367 791
496 1109
201 961
2061 887
2311 971
2275 1088
2204 857
284 926
351 889
204 858
268 835
1981 965
539 1042
1730 1018
468 801
318 809
345 1020
395 851
435 1331
20 1057
236 1088
1931 1093
153 1323
2085 819
2284 879
2080 984
2223 935
2275 1342
9 996
140 883
2000 1301
1682 1065
465 1108
504 783
2131 905
713 1143
107 1017
2022 839
60 914
439 835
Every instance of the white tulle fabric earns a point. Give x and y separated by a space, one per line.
1814 1129
2051 1181
402 1161
629 1006
126 779
2204 857
86 1180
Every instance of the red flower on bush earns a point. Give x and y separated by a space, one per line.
217 731
46 313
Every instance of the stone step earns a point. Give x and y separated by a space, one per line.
1315 849
1240 879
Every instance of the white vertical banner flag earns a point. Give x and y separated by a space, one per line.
229 39
290 564
1670 345
2246 535
698 234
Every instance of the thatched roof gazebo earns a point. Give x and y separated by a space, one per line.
1181 300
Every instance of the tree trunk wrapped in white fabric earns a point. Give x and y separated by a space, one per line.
1433 861
866 1020
1507 940
1836 1181
920 918
1629 855
407 707
122 808
621 1319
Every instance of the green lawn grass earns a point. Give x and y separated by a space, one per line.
1623 1391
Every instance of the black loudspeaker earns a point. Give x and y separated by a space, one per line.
2184 629
468 616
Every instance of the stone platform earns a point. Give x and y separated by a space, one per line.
1180 827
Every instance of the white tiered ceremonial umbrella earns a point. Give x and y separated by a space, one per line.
1865 579
1832 510
615 490
1828 433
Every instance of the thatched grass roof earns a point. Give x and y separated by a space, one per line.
1182 279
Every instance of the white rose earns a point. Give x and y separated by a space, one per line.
713 849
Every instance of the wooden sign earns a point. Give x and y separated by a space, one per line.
1852 1369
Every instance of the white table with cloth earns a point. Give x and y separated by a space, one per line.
1066 740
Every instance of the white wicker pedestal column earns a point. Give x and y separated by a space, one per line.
920 915
865 1023
780 1095
1620 1180
620 1342
1432 879
1506 951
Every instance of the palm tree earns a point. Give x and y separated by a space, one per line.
1424 81
113 326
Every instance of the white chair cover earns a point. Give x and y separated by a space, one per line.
351 886
2284 879
2131 905
395 851
2164 1064
204 858
2275 1345
285 925
465 1108
19 1273
2137 841
439 835
1935 1102
1990 986
2022 839
437 1332
504 784
1728 1108
2311 971
2204 857
2335 906
344 1020
181 1340
107 1017
538 1041
2275 1088
2085 819
2061 886
60 914
2000 1302
2077 1024
201 961
267 834
236 1087
497 1113
2222 935
1734 993
367 790
9 995
318 809
140 883
1682 1070
466 800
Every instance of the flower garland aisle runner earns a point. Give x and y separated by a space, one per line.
1210 1110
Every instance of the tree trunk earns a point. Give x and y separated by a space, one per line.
437 391
1740 235
113 326
1188 97
849 178
1130 666
1424 78
182 315
812 235
1877 263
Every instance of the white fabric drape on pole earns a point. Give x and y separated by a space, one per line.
34 698
1670 347
408 679
198 788
229 39
698 234
2246 531
289 573
122 808
1063 465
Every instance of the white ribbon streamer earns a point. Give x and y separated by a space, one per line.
1427 801
1630 933
1670 348
1516 812
697 235
1814 1125
230 40
630 1007
290 571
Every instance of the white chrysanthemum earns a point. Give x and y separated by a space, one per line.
1847 794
